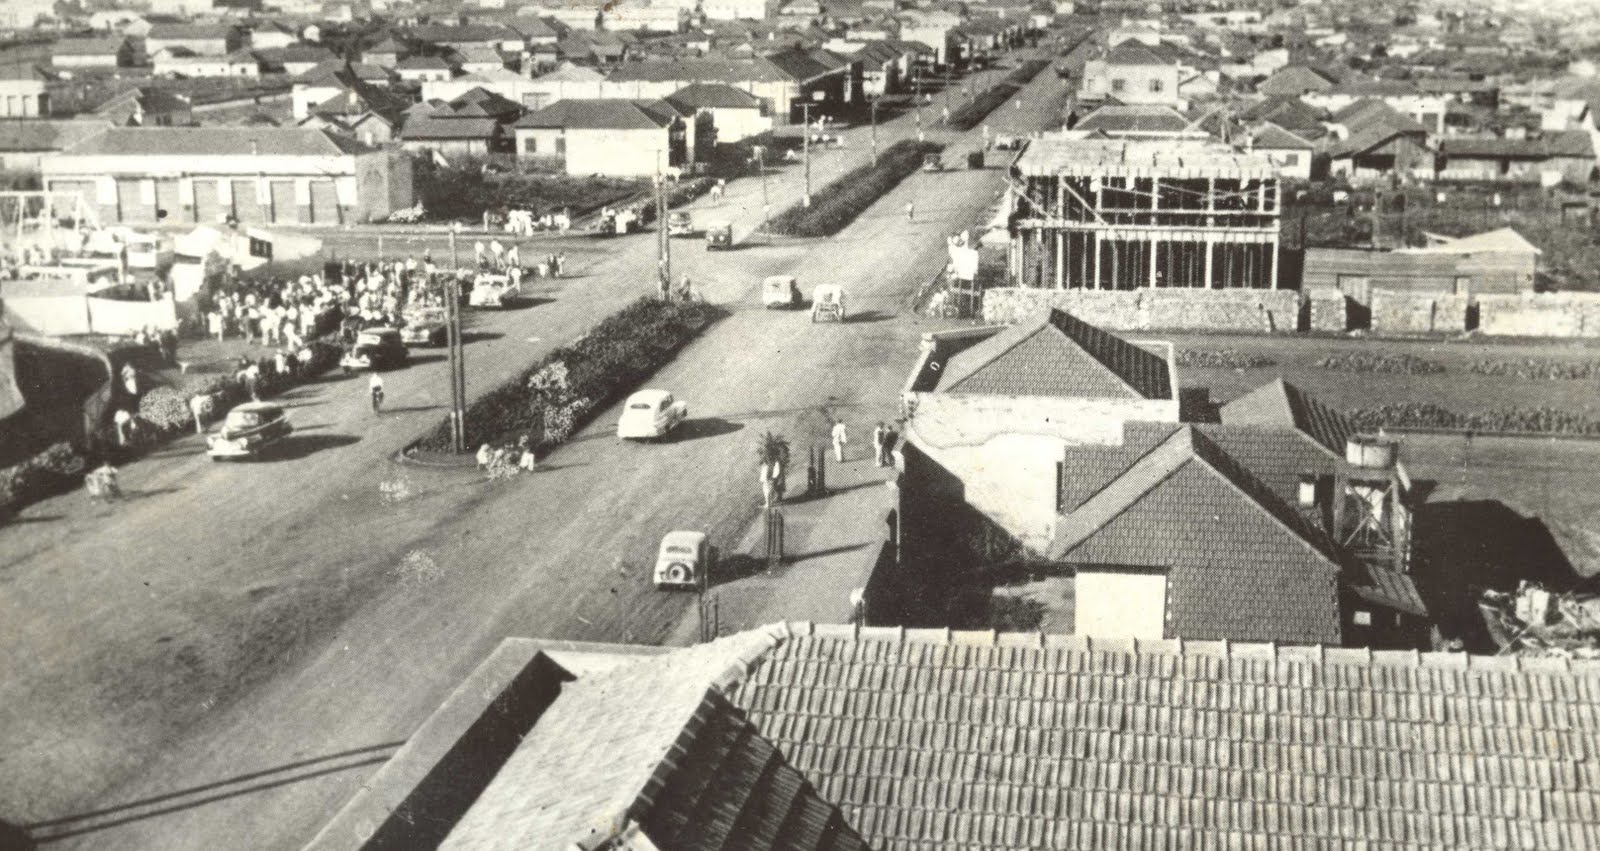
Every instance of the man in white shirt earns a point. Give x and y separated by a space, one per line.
840 438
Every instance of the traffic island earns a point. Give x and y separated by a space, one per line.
838 204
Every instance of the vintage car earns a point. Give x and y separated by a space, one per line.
827 303
719 236
650 414
248 431
376 349
425 326
492 289
932 162
780 291
680 223
685 560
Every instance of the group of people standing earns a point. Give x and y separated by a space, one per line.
884 439
512 459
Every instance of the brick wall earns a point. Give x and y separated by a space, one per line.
1418 313
1265 311
1540 315
1328 311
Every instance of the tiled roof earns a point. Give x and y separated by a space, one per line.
1291 113
932 740
422 63
1133 53
1272 137
36 134
216 141
1243 565
189 31
109 45
803 66
600 753
713 96
1134 119
1497 240
601 114
1568 143
732 71
1280 404
1057 354
464 33
419 128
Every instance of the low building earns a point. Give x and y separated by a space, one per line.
1131 73
1294 81
1402 96
423 69
146 106
257 175
270 35
1492 263
810 737
1551 158
1145 121
734 113
1289 152
777 88
184 63
459 128
106 52
621 138
198 39
566 82
1057 445
464 36
1375 142
478 60
24 142
294 59
23 92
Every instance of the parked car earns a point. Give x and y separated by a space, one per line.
376 349
492 289
685 560
719 236
827 303
932 162
780 291
650 414
425 326
680 223
248 431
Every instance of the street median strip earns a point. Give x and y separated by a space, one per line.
840 202
550 400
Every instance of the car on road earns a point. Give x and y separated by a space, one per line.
492 289
680 223
649 414
684 560
248 431
719 236
780 291
827 303
375 349
425 326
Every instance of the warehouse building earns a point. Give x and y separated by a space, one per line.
1123 214
254 175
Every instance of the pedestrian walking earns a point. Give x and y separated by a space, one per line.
527 461
878 434
485 455
685 289
890 439
197 406
375 389
841 436
252 380
768 483
561 264
911 211
124 423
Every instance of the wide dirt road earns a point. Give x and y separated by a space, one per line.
237 637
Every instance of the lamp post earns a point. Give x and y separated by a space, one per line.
458 371
761 166
663 243
805 143
917 82
874 131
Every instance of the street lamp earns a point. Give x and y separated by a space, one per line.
874 131
761 166
805 142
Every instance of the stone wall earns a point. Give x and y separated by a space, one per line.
1261 311
1418 313
1540 315
1327 310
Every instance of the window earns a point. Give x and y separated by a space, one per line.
532 146
1118 84
1061 487
1156 86
561 145
1291 159
1463 285
1363 618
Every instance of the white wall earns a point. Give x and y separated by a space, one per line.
1110 603
735 124
624 153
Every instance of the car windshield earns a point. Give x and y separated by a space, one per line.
681 550
246 419
420 317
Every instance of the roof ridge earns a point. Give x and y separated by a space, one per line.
1164 459
973 369
1267 500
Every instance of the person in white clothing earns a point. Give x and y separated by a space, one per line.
840 437
375 388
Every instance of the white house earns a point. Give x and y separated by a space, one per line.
180 62
1288 152
735 114
623 138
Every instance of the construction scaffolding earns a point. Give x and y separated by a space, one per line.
1114 214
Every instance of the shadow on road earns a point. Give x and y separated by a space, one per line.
481 336
412 409
303 446
796 559
702 427
734 567
868 316
185 799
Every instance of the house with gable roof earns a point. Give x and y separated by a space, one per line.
1372 141
735 114
610 136
833 737
1059 444
1291 153
1132 73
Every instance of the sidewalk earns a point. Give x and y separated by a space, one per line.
831 543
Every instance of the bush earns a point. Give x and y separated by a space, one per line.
1427 415
55 470
553 397
969 114
840 202
1223 359
1537 369
165 411
1379 362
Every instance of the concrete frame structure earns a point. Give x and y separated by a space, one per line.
1104 214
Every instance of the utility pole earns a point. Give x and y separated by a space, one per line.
917 81
805 142
766 207
458 373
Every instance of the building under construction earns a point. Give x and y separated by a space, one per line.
1114 214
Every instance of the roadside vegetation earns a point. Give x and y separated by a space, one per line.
465 189
1223 359
551 400
976 110
1426 415
1393 364
1537 369
840 202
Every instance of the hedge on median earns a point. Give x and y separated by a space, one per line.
840 202
1427 415
551 399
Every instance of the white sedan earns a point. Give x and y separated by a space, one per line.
650 414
